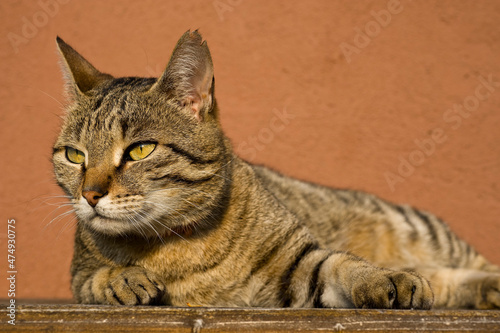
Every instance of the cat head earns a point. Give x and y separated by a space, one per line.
142 156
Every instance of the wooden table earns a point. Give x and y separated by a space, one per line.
90 318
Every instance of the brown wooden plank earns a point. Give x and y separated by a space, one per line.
86 318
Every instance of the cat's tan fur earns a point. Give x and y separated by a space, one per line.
193 223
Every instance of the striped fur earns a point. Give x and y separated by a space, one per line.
192 223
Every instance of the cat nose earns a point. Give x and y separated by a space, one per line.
92 197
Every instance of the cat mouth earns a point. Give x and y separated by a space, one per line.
97 214
96 217
139 221
105 218
145 228
100 218
109 226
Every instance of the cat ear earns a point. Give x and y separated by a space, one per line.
79 74
189 76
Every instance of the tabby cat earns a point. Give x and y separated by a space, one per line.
167 214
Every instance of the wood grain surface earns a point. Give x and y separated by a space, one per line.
90 318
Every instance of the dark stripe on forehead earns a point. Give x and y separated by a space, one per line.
116 111
102 117
109 102
123 84
78 128
129 82
124 125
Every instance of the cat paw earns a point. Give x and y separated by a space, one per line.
490 293
393 290
127 286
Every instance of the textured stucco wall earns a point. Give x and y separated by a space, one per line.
379 110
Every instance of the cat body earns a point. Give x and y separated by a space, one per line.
167 214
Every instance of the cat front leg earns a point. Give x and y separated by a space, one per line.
382 288
341 280
121 286
97 280
365 286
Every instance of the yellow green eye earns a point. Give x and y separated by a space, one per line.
74 155
141 151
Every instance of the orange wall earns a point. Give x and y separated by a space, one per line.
355 111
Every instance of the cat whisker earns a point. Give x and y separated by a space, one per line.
55 99
192 204
52 197
167 209
137 225
59 206
147 223
42 201
50 200
215 174
222 166
66 225
59 218
205 220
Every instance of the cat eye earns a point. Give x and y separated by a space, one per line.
74 155
141 150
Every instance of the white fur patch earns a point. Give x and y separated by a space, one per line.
335 298
117 156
